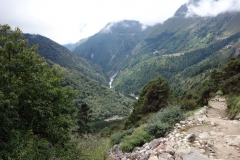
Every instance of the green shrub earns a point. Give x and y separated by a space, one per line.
158 129
233 103
138 138
188 104
170 115
164 120
117 137
29 146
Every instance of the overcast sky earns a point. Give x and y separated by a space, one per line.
66 21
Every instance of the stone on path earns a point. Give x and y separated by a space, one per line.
153 158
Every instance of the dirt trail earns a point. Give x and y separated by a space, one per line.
223 133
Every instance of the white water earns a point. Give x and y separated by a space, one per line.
133 95
111 80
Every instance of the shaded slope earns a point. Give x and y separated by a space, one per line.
62 56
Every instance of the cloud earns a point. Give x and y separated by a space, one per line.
107 28
67 21
206 8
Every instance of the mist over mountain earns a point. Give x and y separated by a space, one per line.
112 45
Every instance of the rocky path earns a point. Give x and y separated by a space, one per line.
223 133
208 134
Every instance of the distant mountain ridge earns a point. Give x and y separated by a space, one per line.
112 45
160 48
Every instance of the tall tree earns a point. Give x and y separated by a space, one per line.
152 98
32 101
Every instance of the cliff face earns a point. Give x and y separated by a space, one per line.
205 135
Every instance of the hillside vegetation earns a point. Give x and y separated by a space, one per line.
87 78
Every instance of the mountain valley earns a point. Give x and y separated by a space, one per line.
130 91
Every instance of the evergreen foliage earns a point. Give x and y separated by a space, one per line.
34 108
83 119
153 97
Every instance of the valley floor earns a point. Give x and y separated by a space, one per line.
208 134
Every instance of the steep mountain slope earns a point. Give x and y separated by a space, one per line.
61 55
112 45
85 77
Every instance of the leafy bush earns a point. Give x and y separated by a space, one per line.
233 103
158 129
164 120
138 138
35 109
170 115
26 145
188 104
117 137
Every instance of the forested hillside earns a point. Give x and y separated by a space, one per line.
87 78
60 55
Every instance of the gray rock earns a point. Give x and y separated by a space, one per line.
191 137
135 156
144 157
154 143
210 144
